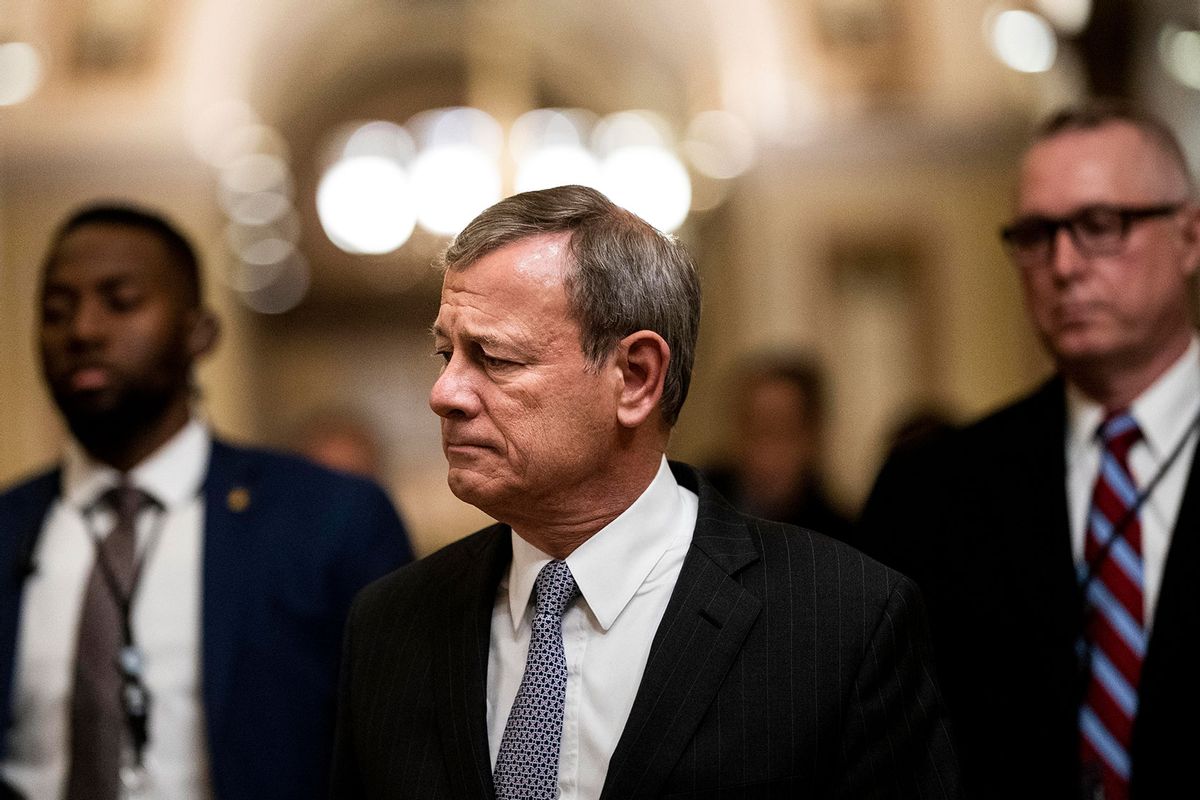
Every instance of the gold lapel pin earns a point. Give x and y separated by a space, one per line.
238 499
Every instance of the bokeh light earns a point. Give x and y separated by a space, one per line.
1179 51
287 288
719 145
453 183
365 205
1023 40
20 72
1068 16
649 181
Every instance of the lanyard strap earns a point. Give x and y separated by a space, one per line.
135 696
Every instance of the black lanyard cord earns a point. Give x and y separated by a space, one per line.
1118 529
135 697
1085 644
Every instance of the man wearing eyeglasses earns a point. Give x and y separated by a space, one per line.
1058 540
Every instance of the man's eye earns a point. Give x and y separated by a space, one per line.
1099 222
444 355
124 301
491 362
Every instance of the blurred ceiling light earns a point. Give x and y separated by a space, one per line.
365 205
548 127
1179 51
20 72
452 184
630 129
212 127
285 291
1068 16
259 265
457 127
649 181
255 137
719 145
240 236
380 138
557 165
708 193
256 208
1023 40
257 172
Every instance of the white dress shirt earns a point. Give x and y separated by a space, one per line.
625 574
1165 412
166 621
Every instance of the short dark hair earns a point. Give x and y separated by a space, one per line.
1099 113
623 275
183 255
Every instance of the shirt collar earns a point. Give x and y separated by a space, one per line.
1164 411
172 474
609 567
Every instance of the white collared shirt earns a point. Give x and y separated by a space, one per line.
1165 412
625 574
166 621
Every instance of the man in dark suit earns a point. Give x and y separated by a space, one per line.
671 645
220 589
1055 540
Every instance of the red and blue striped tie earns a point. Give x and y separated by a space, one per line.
1114 627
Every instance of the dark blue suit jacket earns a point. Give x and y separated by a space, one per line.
287 544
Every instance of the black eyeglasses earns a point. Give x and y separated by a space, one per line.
1098 230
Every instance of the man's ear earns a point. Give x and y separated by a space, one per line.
204 333
642 359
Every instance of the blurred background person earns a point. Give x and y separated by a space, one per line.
1055 539
778 435
836 166
171 604
344 440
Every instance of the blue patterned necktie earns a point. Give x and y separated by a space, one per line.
1114 625
527 764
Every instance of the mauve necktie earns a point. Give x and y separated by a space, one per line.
527 764
1114 624
97 714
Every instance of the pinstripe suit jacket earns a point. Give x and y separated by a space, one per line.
786 664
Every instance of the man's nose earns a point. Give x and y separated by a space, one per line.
88 323
454 393
1065 257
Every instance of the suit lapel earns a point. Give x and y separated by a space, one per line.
460 678
16 562
1172 652
1043 521
701 633
228 521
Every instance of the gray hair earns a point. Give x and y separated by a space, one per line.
1099 113
622 276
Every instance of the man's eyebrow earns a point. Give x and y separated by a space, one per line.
481 338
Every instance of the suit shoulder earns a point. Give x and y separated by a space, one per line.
820 560
434 576
30 486
290 474
1044 404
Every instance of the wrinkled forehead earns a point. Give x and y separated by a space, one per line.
519 283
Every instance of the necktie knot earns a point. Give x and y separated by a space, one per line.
554 588
1119 432
126 500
